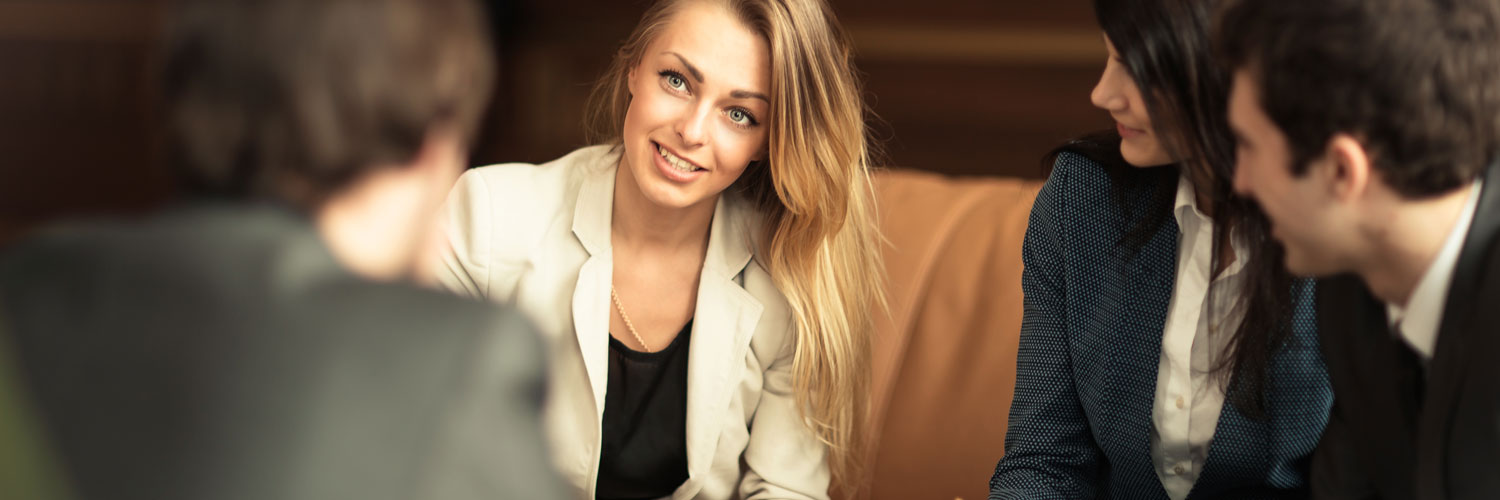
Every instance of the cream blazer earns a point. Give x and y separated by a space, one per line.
538 237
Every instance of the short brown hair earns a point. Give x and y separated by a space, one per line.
295 99
1417 81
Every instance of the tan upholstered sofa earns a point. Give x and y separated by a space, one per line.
944 365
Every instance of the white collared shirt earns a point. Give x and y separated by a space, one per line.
1188 400
1419 320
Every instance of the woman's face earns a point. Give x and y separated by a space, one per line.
699 108
1116 93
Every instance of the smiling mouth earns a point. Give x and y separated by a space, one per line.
676 162
1129 129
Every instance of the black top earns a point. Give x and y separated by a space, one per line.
644 450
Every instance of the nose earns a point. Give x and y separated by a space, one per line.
1107 94
692 126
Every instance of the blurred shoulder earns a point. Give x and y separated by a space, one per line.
210 248
410 313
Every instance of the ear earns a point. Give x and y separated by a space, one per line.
630 79
1345 167
442 156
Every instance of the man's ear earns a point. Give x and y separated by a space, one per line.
1345 167
443 154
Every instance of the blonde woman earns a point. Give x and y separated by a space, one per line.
707 275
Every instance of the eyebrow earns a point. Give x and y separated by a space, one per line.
742 94
698 75
691 69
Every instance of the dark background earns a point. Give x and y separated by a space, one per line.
964 87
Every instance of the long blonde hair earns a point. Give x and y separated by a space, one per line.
819 241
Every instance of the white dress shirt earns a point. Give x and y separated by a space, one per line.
1419 320
1188 399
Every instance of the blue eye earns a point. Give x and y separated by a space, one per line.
741 117
674 80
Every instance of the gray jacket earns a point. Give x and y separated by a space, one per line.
222 353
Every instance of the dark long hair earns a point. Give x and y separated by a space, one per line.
1164 44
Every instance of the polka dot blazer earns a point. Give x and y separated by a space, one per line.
1080 423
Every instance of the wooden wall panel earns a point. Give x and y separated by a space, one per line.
79 132
965 87
970 87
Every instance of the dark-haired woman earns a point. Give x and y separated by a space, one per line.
1165 353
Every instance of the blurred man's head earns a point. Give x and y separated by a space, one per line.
336 107
1347 110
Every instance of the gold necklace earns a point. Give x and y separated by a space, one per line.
629 326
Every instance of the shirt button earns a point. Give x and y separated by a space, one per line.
1179 470
1181 403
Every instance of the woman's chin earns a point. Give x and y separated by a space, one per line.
1137 157
666 194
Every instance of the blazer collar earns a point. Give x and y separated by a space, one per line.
1483 229
1151 277
595 205
1450 357
1143 298
1239 450
724 321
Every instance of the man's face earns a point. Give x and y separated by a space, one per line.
1306 216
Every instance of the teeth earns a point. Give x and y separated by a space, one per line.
676 163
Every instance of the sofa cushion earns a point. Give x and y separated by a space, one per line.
944 358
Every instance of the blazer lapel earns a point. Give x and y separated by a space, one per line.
1238 454
1242 448
724 321
1364 362
1447 368
1149 293
591 225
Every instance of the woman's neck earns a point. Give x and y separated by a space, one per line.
640 223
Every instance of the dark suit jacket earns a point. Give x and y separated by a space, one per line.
1080 422
1394 435
221 352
